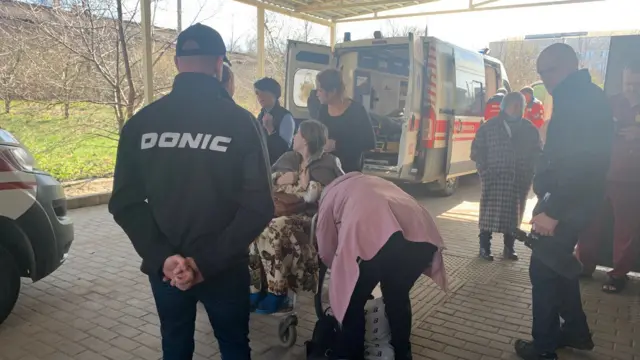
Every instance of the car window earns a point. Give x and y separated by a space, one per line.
6 137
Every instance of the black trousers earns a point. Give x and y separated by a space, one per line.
396 267
226 299
555 297
486 236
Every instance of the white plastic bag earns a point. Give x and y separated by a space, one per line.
377 333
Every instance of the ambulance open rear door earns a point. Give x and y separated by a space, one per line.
407 166
304 61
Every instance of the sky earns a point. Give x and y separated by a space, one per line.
471 30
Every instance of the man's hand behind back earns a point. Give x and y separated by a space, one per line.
192 277
182 273
173 265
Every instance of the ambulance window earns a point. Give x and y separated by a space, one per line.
491 76
469 93
313 57
304 80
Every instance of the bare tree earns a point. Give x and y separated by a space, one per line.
14 64
10 62
519 59
96 35
86 51
397 29
234 44
278 32
126 63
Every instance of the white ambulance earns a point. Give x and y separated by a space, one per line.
426 97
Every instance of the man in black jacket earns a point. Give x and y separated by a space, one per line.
277 122
569 183
192 191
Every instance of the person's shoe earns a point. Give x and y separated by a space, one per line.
568 341
272 304
485 253
527 351
615 284
509 253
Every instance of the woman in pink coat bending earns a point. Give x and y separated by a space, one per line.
370 231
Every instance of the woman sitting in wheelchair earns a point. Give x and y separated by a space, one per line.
370 231
283 257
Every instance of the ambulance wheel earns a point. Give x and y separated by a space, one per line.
449 188
287 331
9 283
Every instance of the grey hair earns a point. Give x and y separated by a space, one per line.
514 98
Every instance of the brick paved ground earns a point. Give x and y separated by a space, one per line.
99 306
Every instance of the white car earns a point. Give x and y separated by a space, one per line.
35 230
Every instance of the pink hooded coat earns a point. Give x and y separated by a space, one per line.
358 214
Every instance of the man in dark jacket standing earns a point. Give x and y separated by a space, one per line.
277 122
569 182
192 191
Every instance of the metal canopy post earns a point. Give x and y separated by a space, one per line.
179 15
332 35
147 61
260 41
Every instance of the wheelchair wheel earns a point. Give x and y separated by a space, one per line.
287 331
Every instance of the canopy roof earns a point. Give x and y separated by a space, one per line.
327 11
331 12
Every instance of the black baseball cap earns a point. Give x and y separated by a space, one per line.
209 42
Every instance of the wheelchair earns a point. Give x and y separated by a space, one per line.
287 327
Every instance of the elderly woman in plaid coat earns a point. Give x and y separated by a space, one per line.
505 150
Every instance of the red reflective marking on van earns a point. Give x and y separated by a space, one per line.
17 185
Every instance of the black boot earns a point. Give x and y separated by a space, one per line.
485 245
527 351
509 252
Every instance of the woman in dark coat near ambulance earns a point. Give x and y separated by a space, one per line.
350 130
505 151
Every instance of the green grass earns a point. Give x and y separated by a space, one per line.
80 147
83 146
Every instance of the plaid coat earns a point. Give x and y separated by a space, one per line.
505 158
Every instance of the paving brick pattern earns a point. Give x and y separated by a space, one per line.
99 306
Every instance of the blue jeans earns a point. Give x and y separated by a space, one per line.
226 299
